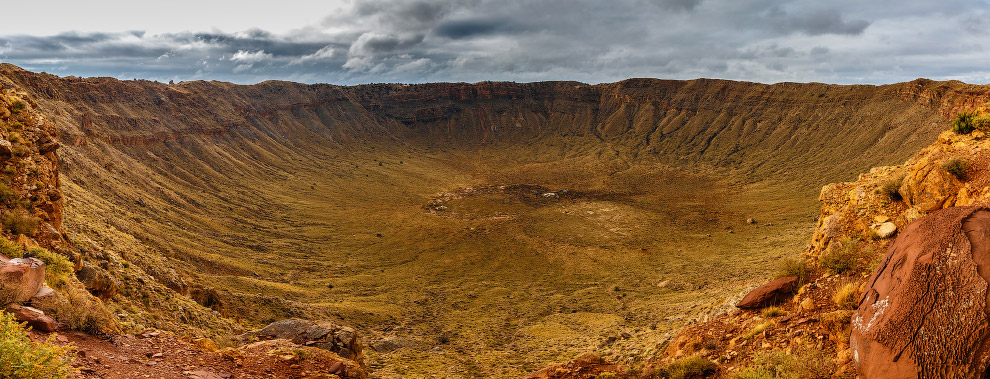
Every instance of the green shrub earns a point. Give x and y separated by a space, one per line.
963 123
10 248
20 222
803 362
891 188
795 266
17 107
22 358
841 256
958 167
57 267
690 367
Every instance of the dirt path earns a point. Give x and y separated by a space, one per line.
162 355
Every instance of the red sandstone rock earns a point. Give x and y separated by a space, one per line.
770 293
35 318
20 279
925 310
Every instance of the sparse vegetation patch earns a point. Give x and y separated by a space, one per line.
841 256
22 358
20 222
690 367
958 167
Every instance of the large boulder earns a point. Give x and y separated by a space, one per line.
925 309
341 340
20 279
97 280
769 294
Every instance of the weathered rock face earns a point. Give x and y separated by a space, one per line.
928 187
20 279
769 294
97 280
341 340
925 309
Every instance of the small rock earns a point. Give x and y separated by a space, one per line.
886 230
750 221
769 294
205 344
201 375
6 149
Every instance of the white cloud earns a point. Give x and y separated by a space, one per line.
248 57
324 54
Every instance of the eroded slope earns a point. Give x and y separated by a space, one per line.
283 199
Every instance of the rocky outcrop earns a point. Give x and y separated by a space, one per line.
769 294
341 340
97 280
925 309
20 279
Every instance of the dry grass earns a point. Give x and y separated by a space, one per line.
958 167
847 296
802 362
20 222
841 256
771 312
689 368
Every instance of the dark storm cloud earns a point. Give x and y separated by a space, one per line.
458 29
843 41
827 21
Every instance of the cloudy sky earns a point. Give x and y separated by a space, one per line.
362 41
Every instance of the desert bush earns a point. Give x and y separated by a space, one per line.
17 107
22 358
690 367
75 307
963 123
57 267
841 256
20 151
7 195
794 266
958 167
10 249
846 296
982 122
801 363
20 222
770 312
891 188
